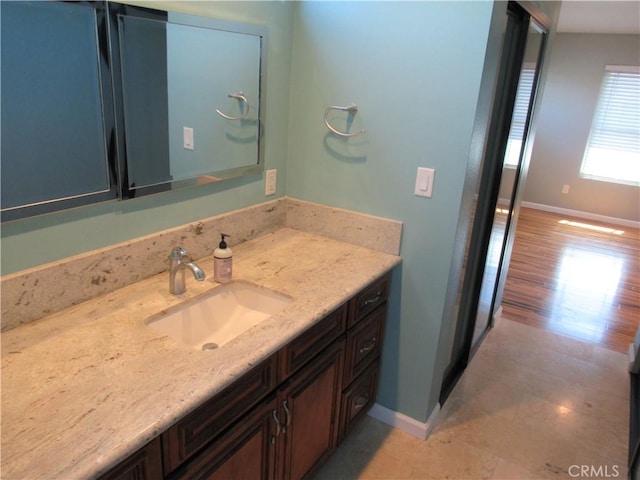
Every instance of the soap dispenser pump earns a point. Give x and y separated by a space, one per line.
222 261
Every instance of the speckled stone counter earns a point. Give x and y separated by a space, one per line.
85 387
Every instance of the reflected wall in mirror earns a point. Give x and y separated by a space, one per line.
103 101
190 96
57 126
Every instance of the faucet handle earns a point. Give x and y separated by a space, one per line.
177 253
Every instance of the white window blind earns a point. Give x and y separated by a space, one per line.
613 150
519 118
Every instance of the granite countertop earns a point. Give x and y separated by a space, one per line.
87 386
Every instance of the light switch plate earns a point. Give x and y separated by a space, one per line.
187 138
270 180
424 182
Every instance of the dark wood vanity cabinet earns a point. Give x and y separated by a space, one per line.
285 417
145 464
367 317
287 436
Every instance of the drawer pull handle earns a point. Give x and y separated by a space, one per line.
360 401
274 414
369 301
368 346
288 422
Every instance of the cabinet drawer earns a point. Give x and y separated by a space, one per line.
364 343
198 428
369 299
358 398
244 451
313 341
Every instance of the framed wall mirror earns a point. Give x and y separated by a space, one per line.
104 101
189 93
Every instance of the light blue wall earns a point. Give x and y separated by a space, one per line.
414 69
35 241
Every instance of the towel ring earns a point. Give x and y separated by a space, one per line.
238 96
352 110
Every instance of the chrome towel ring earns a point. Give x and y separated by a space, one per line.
245 108
352 110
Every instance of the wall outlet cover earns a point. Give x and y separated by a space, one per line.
270 180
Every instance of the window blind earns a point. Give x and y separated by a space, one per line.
613 149
519 117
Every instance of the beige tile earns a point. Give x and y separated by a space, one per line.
451 460
490 396
557 419
606 436
611 380
347 465
553 388
609 358
506 470
536 448
604 404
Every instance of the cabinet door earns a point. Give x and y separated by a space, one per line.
245 451
309 413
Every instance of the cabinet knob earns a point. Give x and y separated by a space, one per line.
360 401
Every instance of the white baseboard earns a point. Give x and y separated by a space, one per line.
586 215
405 423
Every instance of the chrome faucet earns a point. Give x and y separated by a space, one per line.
179 262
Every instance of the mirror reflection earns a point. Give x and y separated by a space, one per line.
191 98
102 101
509 177
55 132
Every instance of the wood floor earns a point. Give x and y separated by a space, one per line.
574 280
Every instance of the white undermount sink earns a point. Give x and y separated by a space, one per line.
211 320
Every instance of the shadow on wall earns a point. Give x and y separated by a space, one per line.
347 150
390 367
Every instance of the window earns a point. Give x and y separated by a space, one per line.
519 118
613 149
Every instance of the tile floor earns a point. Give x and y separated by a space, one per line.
530 405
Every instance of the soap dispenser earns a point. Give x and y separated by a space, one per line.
222 261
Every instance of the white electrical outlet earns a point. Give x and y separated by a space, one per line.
270 179
565 189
